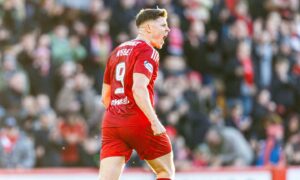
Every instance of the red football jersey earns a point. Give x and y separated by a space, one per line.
135 56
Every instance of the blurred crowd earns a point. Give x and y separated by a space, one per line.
228 89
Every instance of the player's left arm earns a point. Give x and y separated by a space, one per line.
106 92
143 70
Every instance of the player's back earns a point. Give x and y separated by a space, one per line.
127 58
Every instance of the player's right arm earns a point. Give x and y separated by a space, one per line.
106 92
106 88
142 99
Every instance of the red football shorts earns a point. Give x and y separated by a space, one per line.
120 141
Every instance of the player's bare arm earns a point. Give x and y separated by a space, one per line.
106 92
142 99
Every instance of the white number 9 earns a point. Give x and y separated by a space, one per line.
120 73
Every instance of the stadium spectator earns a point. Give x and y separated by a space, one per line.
72 130
11 96
270 151
77 96
292 148
283 87
16 149
48 143
227 147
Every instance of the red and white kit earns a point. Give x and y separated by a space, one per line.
125 127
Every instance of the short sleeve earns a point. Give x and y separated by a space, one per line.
146 62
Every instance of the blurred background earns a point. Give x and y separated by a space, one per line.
228 89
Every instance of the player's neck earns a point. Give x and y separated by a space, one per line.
142 38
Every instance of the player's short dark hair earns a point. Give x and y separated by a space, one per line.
149 14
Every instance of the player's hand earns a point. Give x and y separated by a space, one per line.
158 128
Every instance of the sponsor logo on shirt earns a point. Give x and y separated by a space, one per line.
148 66
123 101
